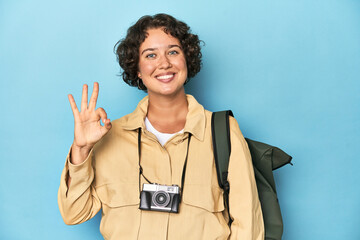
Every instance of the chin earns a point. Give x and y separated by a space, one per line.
170 91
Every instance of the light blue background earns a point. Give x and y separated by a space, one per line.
289 70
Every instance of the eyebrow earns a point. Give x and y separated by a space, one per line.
153 49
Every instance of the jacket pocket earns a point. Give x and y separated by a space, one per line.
118 194
203 196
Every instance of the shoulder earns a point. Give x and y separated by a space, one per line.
236 136
233 123
234 127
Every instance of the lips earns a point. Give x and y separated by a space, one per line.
166 77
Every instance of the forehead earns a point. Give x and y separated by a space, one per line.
157 38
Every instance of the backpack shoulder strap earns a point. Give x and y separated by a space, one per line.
221 143
222 148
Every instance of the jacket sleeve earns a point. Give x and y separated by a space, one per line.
79 202
245 208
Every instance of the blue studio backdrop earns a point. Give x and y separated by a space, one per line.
289 70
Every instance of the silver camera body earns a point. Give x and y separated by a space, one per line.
156 197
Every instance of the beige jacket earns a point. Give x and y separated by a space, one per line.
109 180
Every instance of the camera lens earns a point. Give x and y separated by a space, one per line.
161 198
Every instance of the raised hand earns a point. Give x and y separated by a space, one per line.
88 129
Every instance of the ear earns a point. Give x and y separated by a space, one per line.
139 75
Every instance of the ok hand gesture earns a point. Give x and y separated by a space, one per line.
88 129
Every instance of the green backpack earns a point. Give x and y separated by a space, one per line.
265 159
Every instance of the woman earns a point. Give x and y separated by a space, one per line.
166 140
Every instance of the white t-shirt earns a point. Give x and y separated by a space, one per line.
162 137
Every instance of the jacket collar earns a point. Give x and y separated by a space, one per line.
195 119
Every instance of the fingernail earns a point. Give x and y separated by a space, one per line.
104 120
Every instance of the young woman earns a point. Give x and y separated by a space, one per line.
167 141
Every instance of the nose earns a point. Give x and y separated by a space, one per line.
164 62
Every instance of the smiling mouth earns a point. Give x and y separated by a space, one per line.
165 78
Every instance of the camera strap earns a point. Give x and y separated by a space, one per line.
141 169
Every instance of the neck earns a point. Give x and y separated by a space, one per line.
168 113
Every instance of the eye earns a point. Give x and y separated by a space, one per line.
173 52
150 55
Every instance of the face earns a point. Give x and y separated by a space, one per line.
162 64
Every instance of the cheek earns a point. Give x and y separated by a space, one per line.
184 66
145 68
181 64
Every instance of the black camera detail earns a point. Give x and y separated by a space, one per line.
155 197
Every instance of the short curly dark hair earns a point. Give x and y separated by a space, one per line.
127 49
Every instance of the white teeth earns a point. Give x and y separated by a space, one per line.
165 76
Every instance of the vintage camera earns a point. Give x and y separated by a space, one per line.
156 197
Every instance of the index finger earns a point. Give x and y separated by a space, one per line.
94 96
74 108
